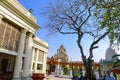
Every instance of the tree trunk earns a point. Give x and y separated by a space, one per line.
88 66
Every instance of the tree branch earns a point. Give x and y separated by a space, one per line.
94 43
80 35
60 31
89 14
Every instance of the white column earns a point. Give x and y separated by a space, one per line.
36 60
33 52
44 63
57 66
18 62
27 60
71 73
57 69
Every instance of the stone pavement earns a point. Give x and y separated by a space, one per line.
52 77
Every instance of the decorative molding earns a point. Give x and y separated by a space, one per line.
40 42
10 10
23 31
30 34
1 17
8 52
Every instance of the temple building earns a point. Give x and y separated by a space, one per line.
110 58
61 54
22 53
111 62
60 61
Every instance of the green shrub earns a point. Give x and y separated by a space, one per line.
66 71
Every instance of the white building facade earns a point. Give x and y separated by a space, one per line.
108 63
21 53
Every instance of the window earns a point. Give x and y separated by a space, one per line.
33 66
40 56
39 66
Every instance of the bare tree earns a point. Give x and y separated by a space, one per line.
76 17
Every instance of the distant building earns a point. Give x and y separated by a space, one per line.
61 54
57 63
112 56
21 52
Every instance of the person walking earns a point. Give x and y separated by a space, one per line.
112 77
109 76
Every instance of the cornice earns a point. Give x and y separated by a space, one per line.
38 41
8 52
14 10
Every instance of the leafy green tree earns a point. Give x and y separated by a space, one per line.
108 14
66 71
76 17
116 60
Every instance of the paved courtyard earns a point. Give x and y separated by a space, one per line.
52 77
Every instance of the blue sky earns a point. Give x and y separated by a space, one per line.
55 41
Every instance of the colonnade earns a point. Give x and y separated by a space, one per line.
28 51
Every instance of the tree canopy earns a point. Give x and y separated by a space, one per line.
108 14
